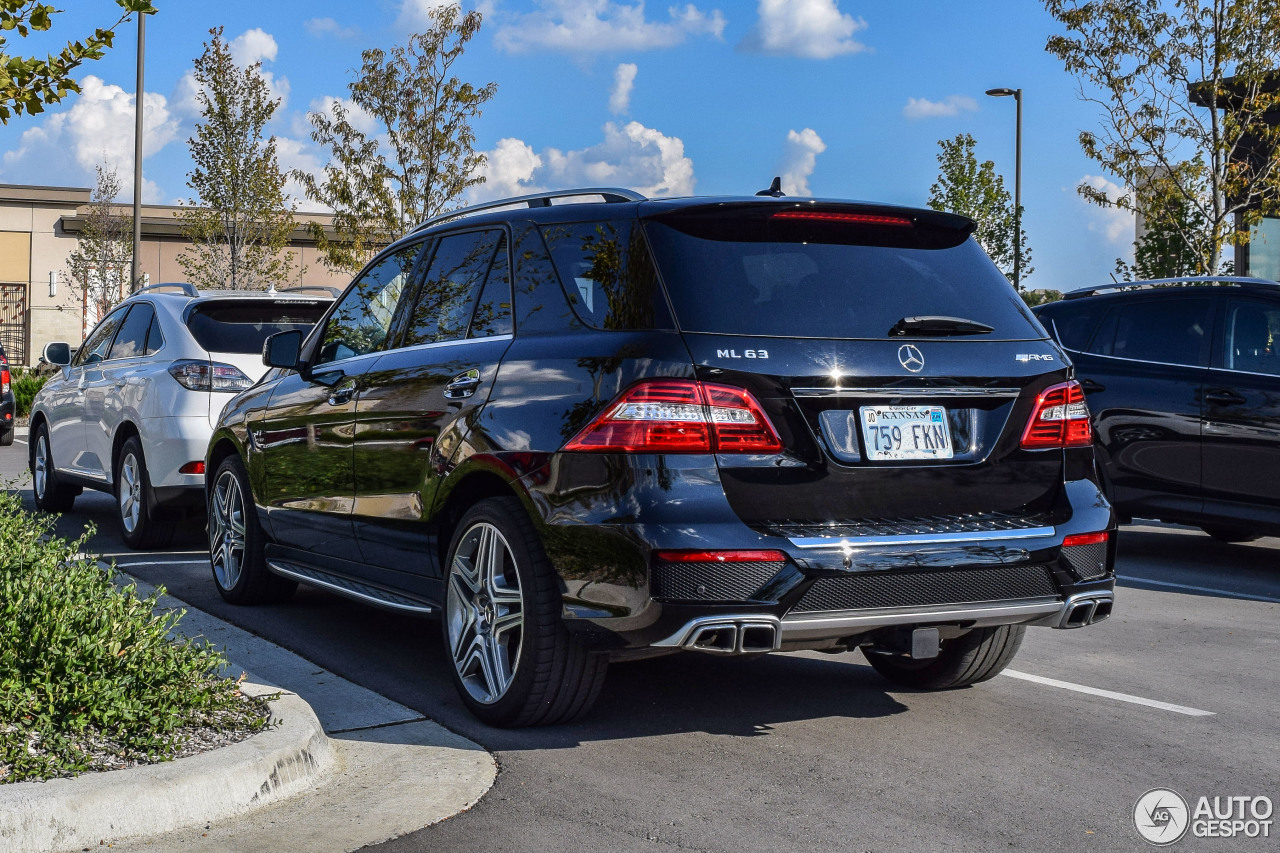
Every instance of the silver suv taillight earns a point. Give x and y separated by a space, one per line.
209 376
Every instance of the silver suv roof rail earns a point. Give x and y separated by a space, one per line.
312 288
186 287
611 195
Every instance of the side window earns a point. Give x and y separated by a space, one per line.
132 338
1253 332
155 338
95 347
493 309
1073 325
609 275
361 321
448 291
1169 331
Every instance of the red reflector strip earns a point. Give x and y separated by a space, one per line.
1085 539
851 218
192 468
720 556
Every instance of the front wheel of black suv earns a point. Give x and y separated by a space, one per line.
236 541
512 659
1231 534
6 437
968 659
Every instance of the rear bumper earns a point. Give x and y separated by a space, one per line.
8 412
171 442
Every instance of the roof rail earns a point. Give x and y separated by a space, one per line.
1152 284
332 291
186 287
611 195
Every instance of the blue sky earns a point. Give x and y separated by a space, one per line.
844 98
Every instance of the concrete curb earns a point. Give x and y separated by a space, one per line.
71 814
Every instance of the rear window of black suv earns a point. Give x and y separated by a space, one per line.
853 275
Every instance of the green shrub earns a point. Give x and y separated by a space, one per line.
25 385
84 662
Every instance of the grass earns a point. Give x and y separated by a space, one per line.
90 677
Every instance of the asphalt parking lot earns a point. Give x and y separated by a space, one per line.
807 751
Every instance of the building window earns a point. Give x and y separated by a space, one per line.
1264 249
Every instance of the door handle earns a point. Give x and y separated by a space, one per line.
1090 387
463 385
1224 397
342 394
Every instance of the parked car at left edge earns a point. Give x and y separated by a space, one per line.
8 406
131 412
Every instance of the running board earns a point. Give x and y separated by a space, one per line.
350 588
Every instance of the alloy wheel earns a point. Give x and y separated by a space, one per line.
485 613
226 530
130 492
40 476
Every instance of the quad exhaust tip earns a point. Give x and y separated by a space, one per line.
735 637
1087 608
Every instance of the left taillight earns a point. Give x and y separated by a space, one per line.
5 378
209 376
1060 419
680 416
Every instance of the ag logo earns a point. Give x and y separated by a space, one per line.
1161 816
912 359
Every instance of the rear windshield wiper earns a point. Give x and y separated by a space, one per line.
929 326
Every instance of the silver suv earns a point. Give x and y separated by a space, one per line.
131 411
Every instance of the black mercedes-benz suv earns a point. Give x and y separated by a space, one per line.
612 427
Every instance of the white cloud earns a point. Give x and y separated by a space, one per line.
1114 223
632 156
97 129
359 119
812 29
320 27
297 154
255 45
416 14
918 108
624 80
798 160
603 26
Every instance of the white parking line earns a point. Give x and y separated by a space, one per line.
1226 592
1109 694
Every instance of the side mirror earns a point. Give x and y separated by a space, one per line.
58 353
283 349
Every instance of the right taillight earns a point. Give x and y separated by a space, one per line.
5 379
1060 419
680 416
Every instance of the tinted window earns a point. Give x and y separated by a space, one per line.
95 347
1169 331
540 301
750 276
608 274
1253 329
1073 324
155 338
132 338
235 326
493 309
362 319
449 288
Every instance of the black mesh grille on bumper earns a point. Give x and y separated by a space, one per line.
1087 561
920 589
971 523
712 581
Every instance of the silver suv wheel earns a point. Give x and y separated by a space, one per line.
130 493
484 610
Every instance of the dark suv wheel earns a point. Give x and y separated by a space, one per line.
513 661
236 541
971 658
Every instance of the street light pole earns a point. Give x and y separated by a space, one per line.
137 156
1017 185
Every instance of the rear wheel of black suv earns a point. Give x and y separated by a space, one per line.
236 541
968 659
512 659
1231 534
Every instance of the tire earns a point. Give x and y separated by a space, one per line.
512 660
236 541
49 494
1231 534
968 659
133 500
6 437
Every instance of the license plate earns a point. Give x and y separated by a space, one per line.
906 432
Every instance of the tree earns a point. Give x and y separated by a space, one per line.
424 113
99 267
974 190
1163 250
1185 88
27 83
239 223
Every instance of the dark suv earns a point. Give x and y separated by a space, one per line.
8 404
618 427
1183 379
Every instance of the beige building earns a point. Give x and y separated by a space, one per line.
39 229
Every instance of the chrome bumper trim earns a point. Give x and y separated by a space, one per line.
848 543
824 625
